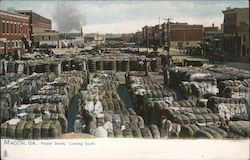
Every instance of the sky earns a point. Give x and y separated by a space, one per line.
124 16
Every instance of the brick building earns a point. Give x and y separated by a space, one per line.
14 27
37 23
236 33
185 35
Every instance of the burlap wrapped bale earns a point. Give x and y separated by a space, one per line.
131 111
137 133
186 132
31 116
4 127
202 134
110 105
124 118
155 131
213 132
222 132
127 133
200 118
107 117
55 129
28 130
185 119
146 133
64 122
133 125
37 130
192 117
140 122
45 128
19 129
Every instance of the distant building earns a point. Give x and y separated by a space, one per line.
14 28
184 35
236 33
128 37
94 39
138 37
113 38
46 39
37 23
213 37
181 35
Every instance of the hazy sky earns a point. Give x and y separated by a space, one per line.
124 16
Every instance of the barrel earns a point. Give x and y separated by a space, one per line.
46 68
54 67
39 68
10 67
133 65
125 65
92 65
112 65
105 64
99 65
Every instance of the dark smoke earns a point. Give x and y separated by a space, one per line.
68 18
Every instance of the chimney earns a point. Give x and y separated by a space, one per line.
81 34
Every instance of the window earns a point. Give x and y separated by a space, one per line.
7 27
15 28
187 43
3 27
11 28
16 44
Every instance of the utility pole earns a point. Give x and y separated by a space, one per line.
168 38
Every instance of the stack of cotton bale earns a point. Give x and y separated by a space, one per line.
105 114
17 91
235 89
229 108
142 89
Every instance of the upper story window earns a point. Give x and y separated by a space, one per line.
3 27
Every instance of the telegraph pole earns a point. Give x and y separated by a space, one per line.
168 39
168 34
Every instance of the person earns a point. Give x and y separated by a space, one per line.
140 64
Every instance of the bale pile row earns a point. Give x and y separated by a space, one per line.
31 129
175 130
228 108
155 112
122 64
143 89
16 92
47 109
235 89
202 81
105 114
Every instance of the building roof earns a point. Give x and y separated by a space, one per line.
13 13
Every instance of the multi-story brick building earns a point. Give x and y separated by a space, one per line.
180 35
185 35
236 33
37 23
14 27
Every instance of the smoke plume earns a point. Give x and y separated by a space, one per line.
68 18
